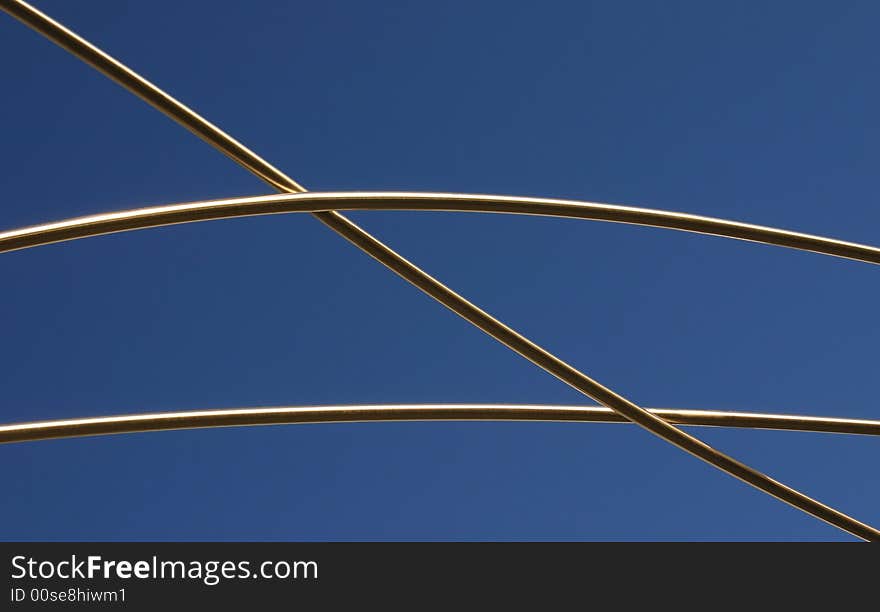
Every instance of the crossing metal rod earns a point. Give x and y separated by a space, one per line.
458 304
286 415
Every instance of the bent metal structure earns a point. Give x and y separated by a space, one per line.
283 415
325 207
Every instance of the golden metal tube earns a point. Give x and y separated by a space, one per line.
239 417
316 201
458 304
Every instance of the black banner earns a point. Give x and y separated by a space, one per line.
288 575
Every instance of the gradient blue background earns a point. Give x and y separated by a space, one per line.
761 112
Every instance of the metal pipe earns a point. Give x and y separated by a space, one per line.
286 415
155 216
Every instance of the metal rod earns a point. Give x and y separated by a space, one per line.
458 304
286 415
316 201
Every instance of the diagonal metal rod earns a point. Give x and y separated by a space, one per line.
458 304
289 415
318 201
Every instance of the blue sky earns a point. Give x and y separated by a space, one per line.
760 112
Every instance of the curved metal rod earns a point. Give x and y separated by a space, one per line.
237 417
423 281
155 216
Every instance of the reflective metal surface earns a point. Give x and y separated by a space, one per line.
196 419
565 372
155 216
